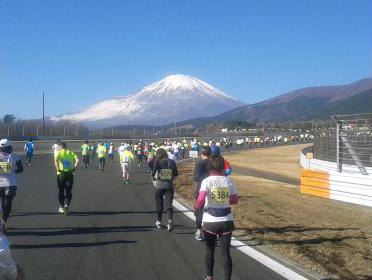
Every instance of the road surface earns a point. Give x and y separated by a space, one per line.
110 233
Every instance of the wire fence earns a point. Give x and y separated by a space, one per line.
349 142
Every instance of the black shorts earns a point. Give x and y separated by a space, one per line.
8 191
101 159
219 228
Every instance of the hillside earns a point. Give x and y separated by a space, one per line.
301 104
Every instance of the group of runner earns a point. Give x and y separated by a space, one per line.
214 194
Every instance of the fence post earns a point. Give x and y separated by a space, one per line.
8 131
23 131
37 131
339 146
64 131
112 132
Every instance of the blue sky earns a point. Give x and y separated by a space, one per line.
83 51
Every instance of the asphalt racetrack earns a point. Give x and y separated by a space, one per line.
110 233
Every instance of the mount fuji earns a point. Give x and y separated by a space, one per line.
172 99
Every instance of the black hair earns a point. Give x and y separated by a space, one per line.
206 151
30 140
216 163
63 145
7 150
161 153
86 141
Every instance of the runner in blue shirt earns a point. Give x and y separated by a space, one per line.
29 149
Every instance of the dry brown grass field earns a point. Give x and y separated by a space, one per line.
328 237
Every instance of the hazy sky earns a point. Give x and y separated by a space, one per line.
83 51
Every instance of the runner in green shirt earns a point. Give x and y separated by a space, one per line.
65 163
85 153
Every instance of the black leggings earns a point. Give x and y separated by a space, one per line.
102 163
65 182
6 196
86 160
160 196
225 242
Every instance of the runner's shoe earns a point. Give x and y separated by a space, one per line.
61 210
199 235
66 210
158 224
170 226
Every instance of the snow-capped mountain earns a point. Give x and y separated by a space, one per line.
174 98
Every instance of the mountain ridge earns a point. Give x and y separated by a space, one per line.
298 104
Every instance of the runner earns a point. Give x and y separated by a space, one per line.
151 158
111 152
217 193
200 173
56 147
29 149
85 153
121 148
101 150
93 149
65 163
163 174
10 165
126 159
8 268
139 153
171 154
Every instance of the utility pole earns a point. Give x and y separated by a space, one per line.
43 117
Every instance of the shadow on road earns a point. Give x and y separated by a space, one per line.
89 213
76 230
71 245
103 213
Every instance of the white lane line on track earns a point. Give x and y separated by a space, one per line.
254 254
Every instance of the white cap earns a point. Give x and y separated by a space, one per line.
5 143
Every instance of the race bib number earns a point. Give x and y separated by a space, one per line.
125 159
220 195
165 174
101 152
67 164
5 168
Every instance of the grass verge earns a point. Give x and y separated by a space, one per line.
326 236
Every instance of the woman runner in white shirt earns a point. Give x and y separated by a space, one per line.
217 193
